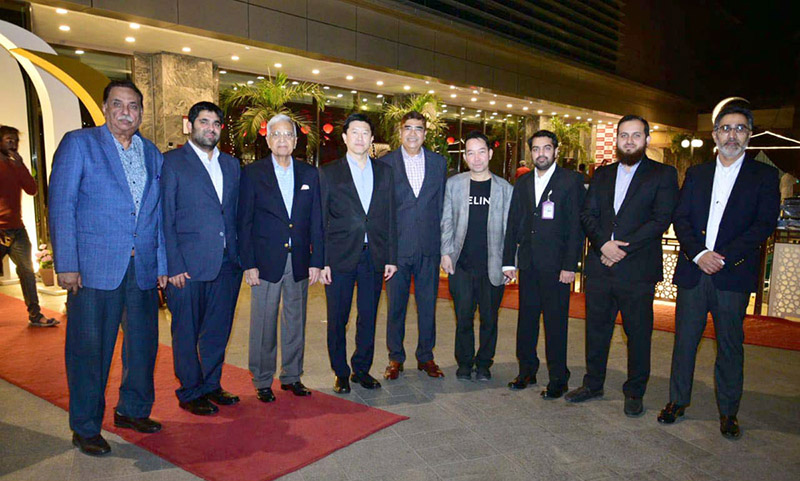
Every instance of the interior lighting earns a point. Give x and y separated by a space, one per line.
492 102
64 28
685 143
474 99
326 87
578 117
249 82
62 11
186 49
475 92
524 108
349 77
223 72
430 91
655 127
295 82
260 77
540 111
234 57
406 87
364 100
380 96
315 71
353 92
130 39
379 82
589 119
278 65
696 143
135 26
553 113
452 96
509 106
79 52
452 87
444 111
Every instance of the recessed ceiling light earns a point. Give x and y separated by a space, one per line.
427 82
234 57
566 116
130 39
589 119
474 99
349 77
609 122
452 87
79 52
524 108
326 87
247 48
508 115
655 127
540 111
475 92
315 71
223 72
406 87
494 113
363 107
553 113
295 82
430 91
278 65
363 100
62 11
492 102
452 96
339 95
569 125
578 117
380 96
186 49
250 82
353 92
444 111
260 77
444 105
480 110
379 82
135 26
508 106
64 28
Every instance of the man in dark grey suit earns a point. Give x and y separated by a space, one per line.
419 178
200 187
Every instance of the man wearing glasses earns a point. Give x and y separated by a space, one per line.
726 209
281 242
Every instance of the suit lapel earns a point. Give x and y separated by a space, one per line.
298 184
149 164
638 177
110 149
350 186
227 165
208 186
613 186
401 169
706 187
429 168
737 192
274 188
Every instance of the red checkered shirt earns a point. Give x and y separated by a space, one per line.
415 169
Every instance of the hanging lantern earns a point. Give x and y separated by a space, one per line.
496 144
304 130
451 140
327 128
262 131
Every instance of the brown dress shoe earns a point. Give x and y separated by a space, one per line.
393 370
430 368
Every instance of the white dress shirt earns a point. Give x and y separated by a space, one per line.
724 178
212 167
541 181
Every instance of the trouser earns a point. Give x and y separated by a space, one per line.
727 309
94 317
19 251
425 270
470 291
202 315
605 297
265 299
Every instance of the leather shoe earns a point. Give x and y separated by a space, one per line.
222 397
393 370
265 395
633 406
200 406
366 381
671 413
521 382
729 427
341 385
483 374
93 446
554 393
297 389
464 373
430 368
582 394
141 425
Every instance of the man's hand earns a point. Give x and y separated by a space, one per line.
447 265
71 281
711 262
13 157
510 275
325 276
388 271
313 275
251 277
162 281
606 261
611 249
179 280
567 277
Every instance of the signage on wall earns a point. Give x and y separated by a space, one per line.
604 145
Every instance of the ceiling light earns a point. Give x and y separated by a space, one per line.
430 91
578 117
569 125
79 52
249 82
295 82
474 99
406 87
247 48
223 72
508 106
326 87
363 107
553 113
444 105
234 57
379 82
444 111
524 108
508 115
475 92
452 87
349 77
135 26
452 96
492 102
566 116
353 92
380 96
339 95
427 82
589 119
480 110
130 39
315 71
278 65
540 111
655 127
186 49
609 122
260 77
64 28
62 11
363 100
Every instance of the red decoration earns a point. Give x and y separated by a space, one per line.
244 134
496 144
327 128
451 140
264 124
304 130
262 131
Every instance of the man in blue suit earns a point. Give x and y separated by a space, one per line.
419 177
281 242
105 225
200 188
726 210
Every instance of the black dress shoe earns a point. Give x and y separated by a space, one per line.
464 373
297 389
633 406
93 446
554 393
671 413
366 381
200 406
729 427
265 395
341 385
521 382
142 425
222 397
582 394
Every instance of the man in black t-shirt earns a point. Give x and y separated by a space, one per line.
473 229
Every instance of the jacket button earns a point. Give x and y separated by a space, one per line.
703 232
290 226
286 245
616 225
533 232
536 214
222 234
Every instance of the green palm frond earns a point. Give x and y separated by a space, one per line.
428 105
569 139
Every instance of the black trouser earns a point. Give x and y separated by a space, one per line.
540 292
468 291
19 250
605 297
728 309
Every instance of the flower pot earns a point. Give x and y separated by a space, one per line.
47 276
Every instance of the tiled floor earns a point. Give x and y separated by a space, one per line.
473 431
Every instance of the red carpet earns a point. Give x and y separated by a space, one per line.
758 330
248 441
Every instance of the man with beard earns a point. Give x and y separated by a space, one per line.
727 208
545 238
628 207
200 188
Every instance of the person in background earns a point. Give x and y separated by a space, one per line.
522 169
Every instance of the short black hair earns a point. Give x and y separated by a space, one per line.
357 117
737 107
543 133
414 115
205 107
123 84
641 119
477 134
8 130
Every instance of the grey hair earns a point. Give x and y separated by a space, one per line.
278 119
735 108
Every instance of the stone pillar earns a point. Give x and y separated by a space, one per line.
171 84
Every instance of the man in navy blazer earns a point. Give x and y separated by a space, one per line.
726 210
200 188
105 226
419 180
281 243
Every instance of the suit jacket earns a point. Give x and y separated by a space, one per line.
455 220
265 228
93 221
345 221
750 216
197 227
418 218
546 244
643 217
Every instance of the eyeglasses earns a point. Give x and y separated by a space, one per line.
413 128
285 135
738 129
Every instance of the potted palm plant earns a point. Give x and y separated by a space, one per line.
430 107
569 140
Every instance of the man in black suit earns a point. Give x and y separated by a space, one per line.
281 246
419 177
627 209
727 208
360 248
545 238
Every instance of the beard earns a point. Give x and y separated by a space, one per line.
203 141
732 149
630 158
543 163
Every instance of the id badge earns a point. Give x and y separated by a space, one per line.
548 210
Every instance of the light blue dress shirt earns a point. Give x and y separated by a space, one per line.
285 176
364 181
624 179
135 171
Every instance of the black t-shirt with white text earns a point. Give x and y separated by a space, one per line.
474 255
